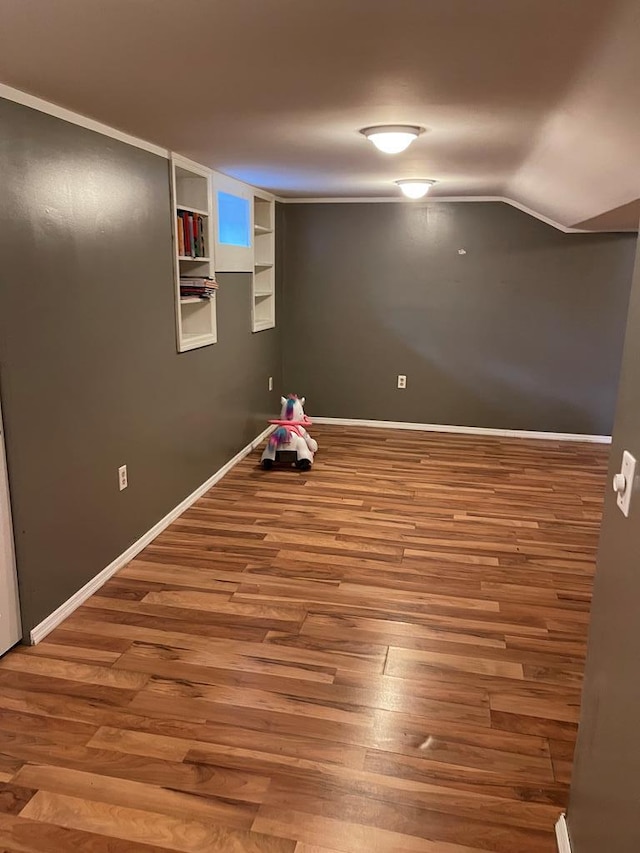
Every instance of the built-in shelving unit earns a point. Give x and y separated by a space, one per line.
264 282
196 324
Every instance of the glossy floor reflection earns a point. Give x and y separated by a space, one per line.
384 654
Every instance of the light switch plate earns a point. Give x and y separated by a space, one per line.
628 471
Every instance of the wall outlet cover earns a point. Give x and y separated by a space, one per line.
628 476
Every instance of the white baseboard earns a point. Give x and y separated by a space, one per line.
562 835
54 619
465 430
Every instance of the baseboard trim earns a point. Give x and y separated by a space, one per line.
465 430
54 619
562 835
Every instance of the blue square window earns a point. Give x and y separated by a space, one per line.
233 220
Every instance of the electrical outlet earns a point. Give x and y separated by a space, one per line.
123 481
402 380
271 383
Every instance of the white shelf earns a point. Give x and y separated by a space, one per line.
263 325
190 185
196 318
196 341
263 301
187 209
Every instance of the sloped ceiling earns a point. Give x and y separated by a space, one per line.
585 161
532 100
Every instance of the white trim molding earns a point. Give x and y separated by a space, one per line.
32 101
63 113
435 200
60 614
11 94
467 430
562 835
10 627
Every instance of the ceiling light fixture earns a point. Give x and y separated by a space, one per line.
392 138
415 187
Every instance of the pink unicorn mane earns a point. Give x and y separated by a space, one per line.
291 401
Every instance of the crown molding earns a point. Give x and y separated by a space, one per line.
18 97
35 103
436 200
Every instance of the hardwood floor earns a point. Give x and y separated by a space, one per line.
382 655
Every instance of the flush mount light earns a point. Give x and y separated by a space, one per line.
415 187
392 138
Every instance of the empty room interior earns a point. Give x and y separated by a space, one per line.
320 411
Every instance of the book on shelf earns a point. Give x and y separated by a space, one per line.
191 234
202 287
202 252
180 233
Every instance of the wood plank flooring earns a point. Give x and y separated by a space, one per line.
384 654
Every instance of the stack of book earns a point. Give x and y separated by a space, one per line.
190 228
203 288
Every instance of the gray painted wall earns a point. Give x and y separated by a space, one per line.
605 792
524 331
88 365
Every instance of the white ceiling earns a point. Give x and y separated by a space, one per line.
532 100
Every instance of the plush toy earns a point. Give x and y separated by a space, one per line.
290 440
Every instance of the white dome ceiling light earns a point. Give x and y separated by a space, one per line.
415 187
392 138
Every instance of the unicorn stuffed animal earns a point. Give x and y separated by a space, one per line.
290 436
